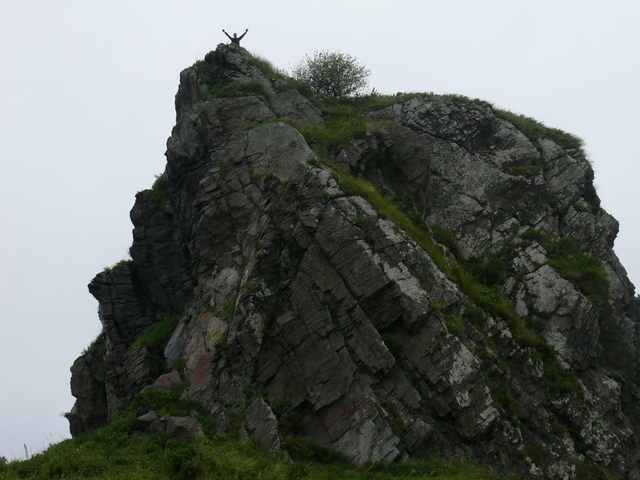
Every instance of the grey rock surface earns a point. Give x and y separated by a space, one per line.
290 104
263 425
302 310
167 382
185 428
88 376
148 423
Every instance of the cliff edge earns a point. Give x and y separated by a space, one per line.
392 277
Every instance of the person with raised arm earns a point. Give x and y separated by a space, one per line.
236 39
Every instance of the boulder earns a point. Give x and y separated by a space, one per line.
263 426
184 427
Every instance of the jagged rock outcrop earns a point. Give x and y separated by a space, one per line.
504 330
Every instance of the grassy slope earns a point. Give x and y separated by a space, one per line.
111 452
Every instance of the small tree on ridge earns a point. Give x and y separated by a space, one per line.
334 74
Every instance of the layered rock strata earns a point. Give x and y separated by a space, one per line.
300 309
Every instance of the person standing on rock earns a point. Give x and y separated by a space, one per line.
236 39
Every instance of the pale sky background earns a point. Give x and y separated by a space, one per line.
86 106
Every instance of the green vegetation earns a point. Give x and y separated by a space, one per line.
589 471
446 238
560 381
470 277
476 316
526 333
585 271
334 74
201 67
119 264
478 279
111 452
535 130
490 270
454 324
219 87
481 278
344 122
266 67
526 170
387 209
503 398
219 90
155 334
94 343
336 135
355 106
229 309
340 78
393 343
255 176
160 190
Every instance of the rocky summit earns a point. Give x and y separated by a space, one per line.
394 277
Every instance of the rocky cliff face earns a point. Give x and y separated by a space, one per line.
480 313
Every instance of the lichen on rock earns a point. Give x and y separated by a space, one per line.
303 307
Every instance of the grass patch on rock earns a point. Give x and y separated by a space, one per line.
119 264
155 334
585 271
266 67
160 190
535 130
220 90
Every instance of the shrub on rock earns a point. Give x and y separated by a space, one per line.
334 74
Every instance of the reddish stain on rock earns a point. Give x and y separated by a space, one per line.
204 318
202 371
332 416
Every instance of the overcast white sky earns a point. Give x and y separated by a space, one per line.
86 106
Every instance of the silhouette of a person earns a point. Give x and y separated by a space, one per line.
236 39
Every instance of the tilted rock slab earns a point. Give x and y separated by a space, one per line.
303 311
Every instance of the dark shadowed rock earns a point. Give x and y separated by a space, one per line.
263 425
167 382
186 428
88 375
148 423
